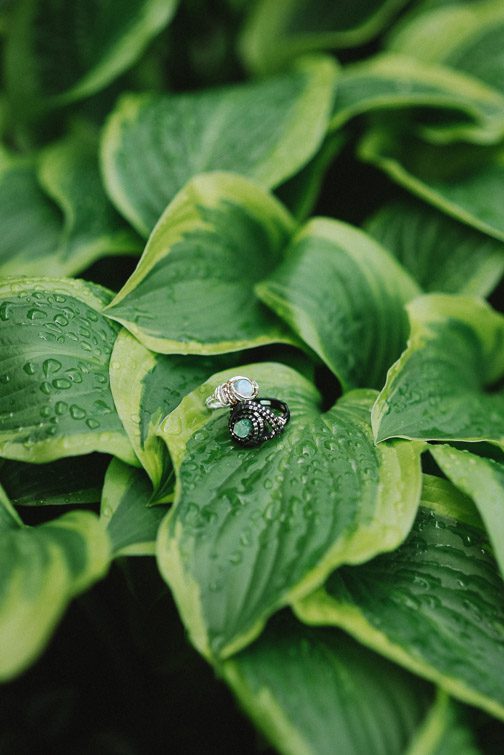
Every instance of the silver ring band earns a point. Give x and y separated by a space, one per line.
234 390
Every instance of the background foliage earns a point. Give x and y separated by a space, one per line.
310 193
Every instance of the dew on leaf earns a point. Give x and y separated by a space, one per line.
77 412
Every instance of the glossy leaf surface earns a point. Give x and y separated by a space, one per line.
344 296
193 289
310 689
54 371
251 529
440 253
440 388
266 130
435 605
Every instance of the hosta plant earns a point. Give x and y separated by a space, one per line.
311 195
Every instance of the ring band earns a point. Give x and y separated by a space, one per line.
254 422
234 390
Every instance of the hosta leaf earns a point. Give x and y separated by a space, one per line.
41 570
440 253
132 525
251 529
95 41
390 81
61 482
444 731
466 183
435 605
467 36
193 289
31 223
317 692
267 130
344 296
276 32
146 388
9 518
55 346
440 388
483 480
69 172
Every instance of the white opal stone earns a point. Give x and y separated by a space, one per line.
244 387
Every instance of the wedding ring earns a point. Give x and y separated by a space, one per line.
233 391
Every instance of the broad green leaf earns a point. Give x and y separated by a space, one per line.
276 32
344 296
41 570
60 52
391 82
440 253
464 182
435 606
252 529
132 525
483 480
441 496
444 731
193 289
61 482
266 130
146 387
441 386
317 692
55 346
31 223
69 173
466 36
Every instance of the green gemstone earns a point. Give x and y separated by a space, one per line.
243 428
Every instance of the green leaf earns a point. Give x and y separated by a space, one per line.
311 690
60 52
391 82
132 525
444 731
464 182
9 518
266 130
55 349
69 173
483 480
146 387
59 483
252 529
344 296
440 253
467 36
41 570
440 388
193 289
435 606
31 223
276 32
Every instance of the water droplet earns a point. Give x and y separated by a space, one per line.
60 298
46 388
61 407
62 383
36 314
77 412
4 310
60 320
45 411
29 368
92 423
74 375
4 379
51 366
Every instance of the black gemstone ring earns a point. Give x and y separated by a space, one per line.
253 422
